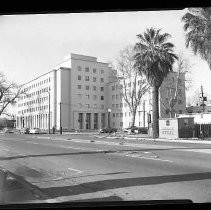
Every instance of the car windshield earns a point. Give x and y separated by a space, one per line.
105 106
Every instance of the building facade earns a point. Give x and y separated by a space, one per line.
77 94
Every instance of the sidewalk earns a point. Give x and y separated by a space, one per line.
131 138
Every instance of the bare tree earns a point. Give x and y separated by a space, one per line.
194 99
9 93
171 89
133 87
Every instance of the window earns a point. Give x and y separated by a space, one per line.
101 79
87 87
121 114
167 122
94 97
87 96
102 88
79 77
129 84
113 114
117 106
87 69
94 79
79 86
86 78
117 96
180 111
125 114
117 114
95 106
180 101
79 68
113 105
94 88
79 95
94 70
167 111
87 106
102 71
113 96
102 98
113 88
102 106
121 105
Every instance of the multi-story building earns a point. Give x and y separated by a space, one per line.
121 115
77 94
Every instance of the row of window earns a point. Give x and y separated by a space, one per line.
29 110
117 105
93 97
39 100
127 85
37 84
46 89
117 115
168 111
87 78
87 69
89 106
87 87
117 96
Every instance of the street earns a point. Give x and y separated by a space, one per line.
87 168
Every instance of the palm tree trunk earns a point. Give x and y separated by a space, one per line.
155 112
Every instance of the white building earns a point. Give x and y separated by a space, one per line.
81 90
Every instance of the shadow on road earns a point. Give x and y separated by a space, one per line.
102 185
96 152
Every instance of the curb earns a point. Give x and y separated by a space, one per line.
172 140
136 138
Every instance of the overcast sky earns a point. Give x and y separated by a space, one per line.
31 45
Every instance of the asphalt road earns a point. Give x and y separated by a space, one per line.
103 169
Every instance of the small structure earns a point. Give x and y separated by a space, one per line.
174 128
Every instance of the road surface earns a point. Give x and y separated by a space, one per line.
86 168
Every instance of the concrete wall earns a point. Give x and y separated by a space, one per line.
168 128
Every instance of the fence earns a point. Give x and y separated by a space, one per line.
205 128
196 131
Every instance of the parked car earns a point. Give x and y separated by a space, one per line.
8 130
135 129
25 130
108 130
35 131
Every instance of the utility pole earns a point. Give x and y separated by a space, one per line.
203 98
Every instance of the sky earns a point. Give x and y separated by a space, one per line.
31 45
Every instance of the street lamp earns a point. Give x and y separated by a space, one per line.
109 112
49 118
60 117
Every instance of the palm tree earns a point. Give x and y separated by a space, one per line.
154 58
197 25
